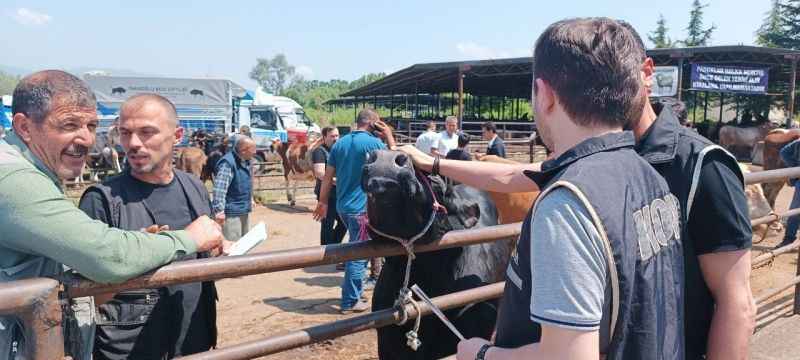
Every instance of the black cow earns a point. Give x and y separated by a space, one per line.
393 188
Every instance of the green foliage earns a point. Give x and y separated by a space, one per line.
659 36
7 83
697 35
312 95
273 74
771 31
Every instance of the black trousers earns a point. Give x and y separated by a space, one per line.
332 229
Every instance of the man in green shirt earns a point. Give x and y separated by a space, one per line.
54 125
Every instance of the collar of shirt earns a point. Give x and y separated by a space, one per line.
491 142
660 142
17 143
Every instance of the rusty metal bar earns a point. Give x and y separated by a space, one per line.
36 302
784 306
766 257
224 267
314 334
761 299
774 217
771 175
774 314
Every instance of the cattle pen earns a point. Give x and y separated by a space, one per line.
38 302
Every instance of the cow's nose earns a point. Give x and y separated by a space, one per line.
378 185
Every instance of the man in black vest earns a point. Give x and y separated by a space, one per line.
604 274
329 234
152 323
717 236
233 188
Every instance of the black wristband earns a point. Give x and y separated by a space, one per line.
482 352
435 170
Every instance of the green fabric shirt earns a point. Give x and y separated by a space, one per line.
40 229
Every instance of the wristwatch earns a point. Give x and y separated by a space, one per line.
482 351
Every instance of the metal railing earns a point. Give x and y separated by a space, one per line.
36 301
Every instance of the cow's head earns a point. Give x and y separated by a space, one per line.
400 201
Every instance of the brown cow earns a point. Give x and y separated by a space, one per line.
296 162
740 140
191 160
511 207
775 140
757 205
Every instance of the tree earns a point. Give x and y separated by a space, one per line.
771 31
7 83
789 13
273 75
659 36
697 35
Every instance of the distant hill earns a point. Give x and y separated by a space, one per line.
78 71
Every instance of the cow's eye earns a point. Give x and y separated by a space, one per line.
371 157
401 160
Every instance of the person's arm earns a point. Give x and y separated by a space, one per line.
719 226
221 183
569 289
386 133
318 159
321 211
42 221
489 176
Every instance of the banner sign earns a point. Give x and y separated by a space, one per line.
194 92
666 81
727 78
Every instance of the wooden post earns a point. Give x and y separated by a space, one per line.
791 108
721 105
460 96
680 77
705 106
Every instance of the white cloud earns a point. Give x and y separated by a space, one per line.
27 16
305 71
473 51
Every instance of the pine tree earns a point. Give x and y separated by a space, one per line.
771 31
789 13
697 36
659 36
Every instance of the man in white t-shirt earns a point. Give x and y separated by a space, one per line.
448 139
429 139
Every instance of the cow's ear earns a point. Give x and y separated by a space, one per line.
468 213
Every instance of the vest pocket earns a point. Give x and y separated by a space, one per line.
135 325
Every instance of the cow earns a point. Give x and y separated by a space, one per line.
401 204
296 163
191 160
757 204
775 140
740 140
511 207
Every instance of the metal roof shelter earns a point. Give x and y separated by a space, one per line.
511 78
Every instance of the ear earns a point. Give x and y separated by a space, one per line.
544 97
178 135
22 126
468 213
648 71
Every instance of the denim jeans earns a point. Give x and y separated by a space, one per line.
352 286
793 222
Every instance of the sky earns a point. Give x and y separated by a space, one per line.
324 39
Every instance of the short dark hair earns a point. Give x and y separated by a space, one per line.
463 139
490 127
36 93
327 130
593 65
366 116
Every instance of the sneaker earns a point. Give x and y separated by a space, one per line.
369 283
360 306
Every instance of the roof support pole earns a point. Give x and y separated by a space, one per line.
721 105
460 97
680 78
792 84
705 106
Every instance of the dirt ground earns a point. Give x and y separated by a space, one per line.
262 305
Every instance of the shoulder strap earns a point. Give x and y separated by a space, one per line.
696 173
109 203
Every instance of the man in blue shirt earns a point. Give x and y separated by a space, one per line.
790 154
345 163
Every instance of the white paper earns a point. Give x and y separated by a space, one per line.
250 240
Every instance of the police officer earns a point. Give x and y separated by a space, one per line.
606 266
717 236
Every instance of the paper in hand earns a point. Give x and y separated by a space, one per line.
255 236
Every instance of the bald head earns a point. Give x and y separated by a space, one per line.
142 102
37 93
366 117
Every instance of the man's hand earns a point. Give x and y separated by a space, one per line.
220 218
154 229
206 233
385 133
321 211
420 159
223 250
468 349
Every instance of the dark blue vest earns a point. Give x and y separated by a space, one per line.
675 152
639 220
240 191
